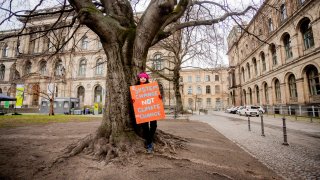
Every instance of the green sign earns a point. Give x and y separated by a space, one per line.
6 104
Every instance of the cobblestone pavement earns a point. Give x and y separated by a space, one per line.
299 160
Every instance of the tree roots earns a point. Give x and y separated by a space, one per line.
121 148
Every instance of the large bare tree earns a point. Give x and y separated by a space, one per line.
126 41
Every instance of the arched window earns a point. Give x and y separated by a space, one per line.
307 34
58 68
99 67
287 45
157 62
82 67
248 68
2 71
208 89
5 50
273 54
217 89
28 67
243 75
254 62
266 93
277 90
257 95
250 95
189 90
43 68
84 42
98 94
81 93
292 87
313 81
199 90
283 12
263 61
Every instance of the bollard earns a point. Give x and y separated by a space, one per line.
262 126
249 123
284 132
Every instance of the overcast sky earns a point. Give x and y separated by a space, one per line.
138 5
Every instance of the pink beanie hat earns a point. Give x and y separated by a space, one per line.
143 74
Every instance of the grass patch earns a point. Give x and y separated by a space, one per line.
25 120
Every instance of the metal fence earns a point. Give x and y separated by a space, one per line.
294 111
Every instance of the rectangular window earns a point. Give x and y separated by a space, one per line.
190 90
198 78
208 101
207 78
216 77
189 79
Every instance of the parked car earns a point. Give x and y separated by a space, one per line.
249 111
238 109
234 110
261 110
231 110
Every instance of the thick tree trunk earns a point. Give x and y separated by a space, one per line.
118 116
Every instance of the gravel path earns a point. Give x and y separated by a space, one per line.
299 160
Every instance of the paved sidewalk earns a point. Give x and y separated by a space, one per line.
299 160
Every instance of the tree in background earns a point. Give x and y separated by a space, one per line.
126 41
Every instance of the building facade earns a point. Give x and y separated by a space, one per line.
274 60
44 65
204 89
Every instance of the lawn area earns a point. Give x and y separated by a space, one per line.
23 120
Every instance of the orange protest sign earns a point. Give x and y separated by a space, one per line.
147 104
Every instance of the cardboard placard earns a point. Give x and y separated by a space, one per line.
147 104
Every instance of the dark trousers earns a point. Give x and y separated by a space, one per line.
148 132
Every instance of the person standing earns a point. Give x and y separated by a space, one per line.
148 128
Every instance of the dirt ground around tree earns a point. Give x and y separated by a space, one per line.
28 152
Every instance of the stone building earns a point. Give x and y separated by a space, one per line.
275 60
204 89
45 65
78 69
